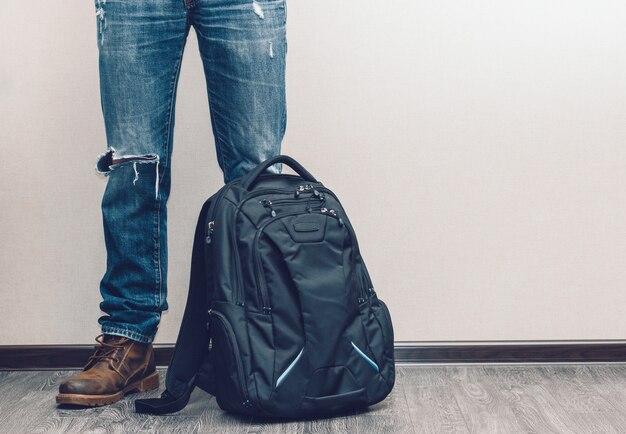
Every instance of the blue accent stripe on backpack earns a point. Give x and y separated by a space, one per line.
367 359
289 368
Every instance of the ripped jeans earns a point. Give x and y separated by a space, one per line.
243 48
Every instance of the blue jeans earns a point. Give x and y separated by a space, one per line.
243 48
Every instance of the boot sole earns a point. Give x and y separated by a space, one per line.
147 383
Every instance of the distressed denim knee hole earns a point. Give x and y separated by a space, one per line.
108 161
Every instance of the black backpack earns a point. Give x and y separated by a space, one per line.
282 319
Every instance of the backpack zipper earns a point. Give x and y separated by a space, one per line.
211 222
269 203
295 191
365 292
209 232
211 227
233 343
261 289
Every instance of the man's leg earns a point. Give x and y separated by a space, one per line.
140 45
243 46
141 48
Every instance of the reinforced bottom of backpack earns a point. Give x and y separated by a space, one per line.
299 382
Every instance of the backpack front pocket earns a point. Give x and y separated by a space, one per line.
312 248
232 393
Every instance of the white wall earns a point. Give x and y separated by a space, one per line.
478 146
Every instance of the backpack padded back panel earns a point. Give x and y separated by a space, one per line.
296 328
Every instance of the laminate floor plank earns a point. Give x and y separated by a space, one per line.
23 402
559 399
522 388
588 408
610 383
340 424
433 409
426 399
483 406
431 404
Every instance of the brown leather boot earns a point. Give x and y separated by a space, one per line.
119 366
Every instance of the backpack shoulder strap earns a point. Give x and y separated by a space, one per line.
192 344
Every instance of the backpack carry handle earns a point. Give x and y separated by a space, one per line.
249 179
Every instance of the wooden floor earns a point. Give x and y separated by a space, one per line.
430 399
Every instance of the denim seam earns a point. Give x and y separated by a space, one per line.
127 333
158 251
168 133
165 166
218 137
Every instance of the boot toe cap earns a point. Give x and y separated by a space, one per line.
83 386
74 387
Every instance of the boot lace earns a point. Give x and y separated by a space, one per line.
104 351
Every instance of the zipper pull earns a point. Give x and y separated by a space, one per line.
209 231
316 195
208 323
268 204
333 213
322 199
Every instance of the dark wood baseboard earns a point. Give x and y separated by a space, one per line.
41 357
513 353
36 357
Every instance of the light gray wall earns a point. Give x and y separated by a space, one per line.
479 148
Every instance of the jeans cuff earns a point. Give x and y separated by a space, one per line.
127 334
